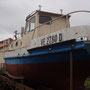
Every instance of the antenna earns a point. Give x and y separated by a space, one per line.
61 10
15 35
40 7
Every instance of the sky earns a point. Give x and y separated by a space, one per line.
14 12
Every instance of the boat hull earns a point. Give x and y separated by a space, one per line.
53 69
56 75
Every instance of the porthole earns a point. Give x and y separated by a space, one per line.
16 44
84 38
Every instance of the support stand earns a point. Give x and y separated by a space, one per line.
71 71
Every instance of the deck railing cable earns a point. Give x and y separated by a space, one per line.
68 14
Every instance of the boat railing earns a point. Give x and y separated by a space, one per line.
16 51
31 14
51 26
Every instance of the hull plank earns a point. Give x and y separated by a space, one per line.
54 75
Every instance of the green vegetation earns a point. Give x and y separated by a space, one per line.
3 71
87 83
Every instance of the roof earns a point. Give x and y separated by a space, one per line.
38 11
6 40
50 13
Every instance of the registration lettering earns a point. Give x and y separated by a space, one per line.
51 39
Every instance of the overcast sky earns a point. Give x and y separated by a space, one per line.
14 12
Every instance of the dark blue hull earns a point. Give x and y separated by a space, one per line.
54 53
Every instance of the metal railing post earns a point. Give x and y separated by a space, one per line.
71 71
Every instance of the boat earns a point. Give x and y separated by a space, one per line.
50 52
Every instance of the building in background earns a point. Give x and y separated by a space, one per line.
4 47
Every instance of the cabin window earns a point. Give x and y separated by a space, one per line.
44 19
27 26
31 24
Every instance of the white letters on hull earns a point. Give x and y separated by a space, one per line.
60 36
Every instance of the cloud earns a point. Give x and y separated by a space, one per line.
14 12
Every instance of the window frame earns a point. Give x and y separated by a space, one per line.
28 24
45 22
